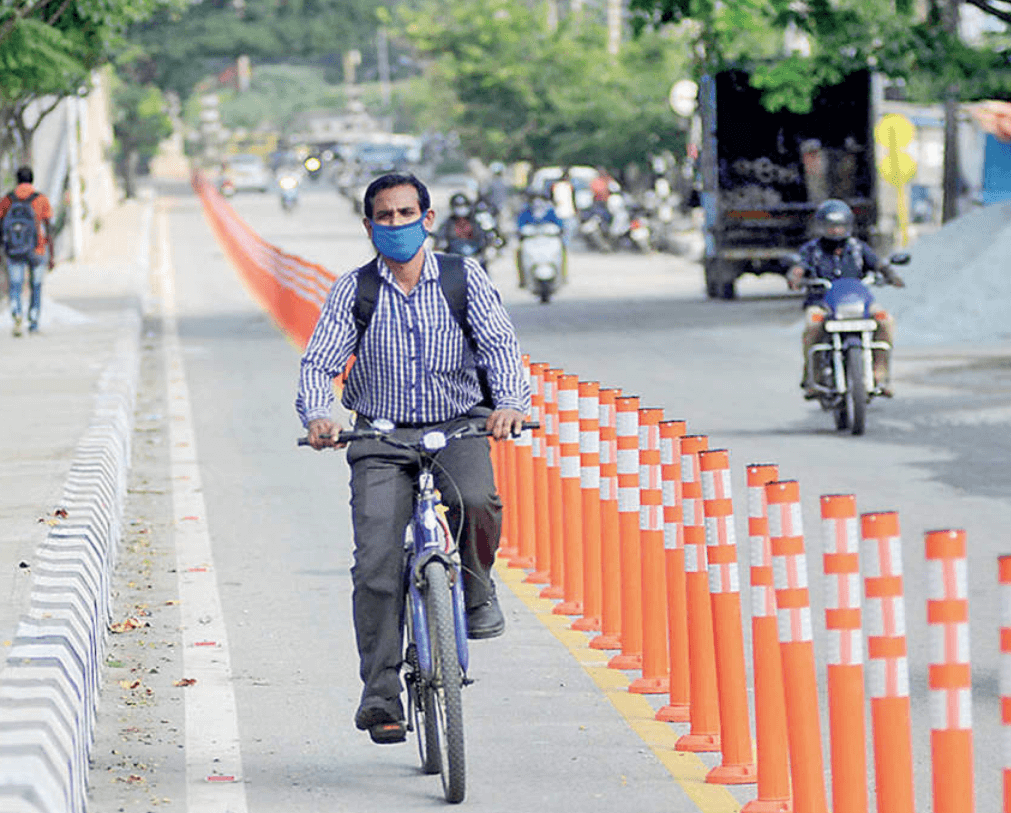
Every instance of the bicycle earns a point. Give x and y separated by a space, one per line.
436 655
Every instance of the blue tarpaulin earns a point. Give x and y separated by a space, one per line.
996 170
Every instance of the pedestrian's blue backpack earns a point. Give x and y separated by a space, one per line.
19 229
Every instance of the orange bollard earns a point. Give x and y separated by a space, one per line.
589 483
557 580
677 708
527 529
627 425
847 726
950 676
1004 579
542 540
513 517
503 482
572 501
888 670
737 767
705 708
796 646
770 700
610 545
653 578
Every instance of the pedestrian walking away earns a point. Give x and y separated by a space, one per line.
417 367
25 215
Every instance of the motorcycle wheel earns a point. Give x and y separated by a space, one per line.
856 391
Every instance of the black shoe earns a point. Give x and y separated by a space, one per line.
485 620
376 711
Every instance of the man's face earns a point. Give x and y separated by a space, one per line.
835 232
398 206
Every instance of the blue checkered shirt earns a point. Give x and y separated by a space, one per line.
414 364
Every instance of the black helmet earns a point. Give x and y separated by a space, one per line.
834 220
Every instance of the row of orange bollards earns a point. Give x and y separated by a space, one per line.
628 521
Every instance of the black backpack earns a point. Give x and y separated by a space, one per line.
19 229
452 278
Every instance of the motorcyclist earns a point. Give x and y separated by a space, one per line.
832 254
539 210
461 225
497 190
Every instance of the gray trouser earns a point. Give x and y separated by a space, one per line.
382 490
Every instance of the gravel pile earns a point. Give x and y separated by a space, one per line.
958 283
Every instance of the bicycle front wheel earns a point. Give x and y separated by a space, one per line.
445 681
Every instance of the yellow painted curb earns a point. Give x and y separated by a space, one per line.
687 769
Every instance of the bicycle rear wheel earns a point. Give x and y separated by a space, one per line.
445 682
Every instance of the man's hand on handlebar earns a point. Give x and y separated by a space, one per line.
504 423
322 432
794 277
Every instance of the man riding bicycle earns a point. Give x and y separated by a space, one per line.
416 367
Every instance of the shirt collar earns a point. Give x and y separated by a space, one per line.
429 271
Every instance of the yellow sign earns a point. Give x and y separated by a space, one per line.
894 129
893 133
897 167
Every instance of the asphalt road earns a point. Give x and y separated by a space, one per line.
541 735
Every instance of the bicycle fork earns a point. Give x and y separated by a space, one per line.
429 544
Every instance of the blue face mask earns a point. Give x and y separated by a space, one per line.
399 243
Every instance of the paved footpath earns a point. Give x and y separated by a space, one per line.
66 404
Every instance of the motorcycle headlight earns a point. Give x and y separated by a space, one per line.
850 309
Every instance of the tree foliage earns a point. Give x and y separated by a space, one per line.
182 46
840 37
140 124
516 89
48 49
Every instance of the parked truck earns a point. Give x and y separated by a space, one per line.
764 173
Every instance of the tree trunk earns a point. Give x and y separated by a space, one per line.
952 171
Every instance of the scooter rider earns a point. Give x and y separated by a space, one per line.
836 253
537 211
461 225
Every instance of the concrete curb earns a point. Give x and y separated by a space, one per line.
49 686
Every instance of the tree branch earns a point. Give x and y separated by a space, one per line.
985 6
19 14
58 13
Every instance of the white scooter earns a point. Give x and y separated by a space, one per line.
541 254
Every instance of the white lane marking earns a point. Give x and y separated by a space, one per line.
214 781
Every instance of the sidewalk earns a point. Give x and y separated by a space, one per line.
66 400
48 385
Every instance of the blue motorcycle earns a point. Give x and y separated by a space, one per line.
842 369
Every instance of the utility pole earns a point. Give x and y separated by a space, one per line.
552 16
383 54
614 8
952 171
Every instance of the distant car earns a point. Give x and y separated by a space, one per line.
248 173
579 176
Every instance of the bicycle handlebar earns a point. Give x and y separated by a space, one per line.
468 430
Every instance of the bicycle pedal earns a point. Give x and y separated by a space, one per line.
466 681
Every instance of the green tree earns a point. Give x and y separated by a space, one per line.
48 49
841 36
522 90
184 45
140 124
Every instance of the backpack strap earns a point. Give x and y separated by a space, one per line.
453 279
366 296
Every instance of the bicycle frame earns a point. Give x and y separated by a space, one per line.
425 541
